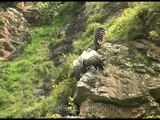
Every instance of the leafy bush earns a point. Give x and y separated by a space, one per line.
48 10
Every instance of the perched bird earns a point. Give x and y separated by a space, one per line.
78 69
85 61
92 58
98 36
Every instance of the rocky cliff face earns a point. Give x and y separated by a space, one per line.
125 88
14 33
15 20
129 86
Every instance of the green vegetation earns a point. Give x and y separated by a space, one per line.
140 58
20 76
93 13
154 35
124 25
48 10
30 69
153 116
72 108
130 20
27 70
50 104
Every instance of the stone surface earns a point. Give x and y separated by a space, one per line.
14 33
125 89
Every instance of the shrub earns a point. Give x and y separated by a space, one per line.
48 10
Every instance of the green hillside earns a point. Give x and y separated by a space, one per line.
53 48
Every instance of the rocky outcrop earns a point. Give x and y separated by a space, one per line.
129 85
15 20
31 13
14 33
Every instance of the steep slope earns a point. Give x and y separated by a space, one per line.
27 81
128 86
38 82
